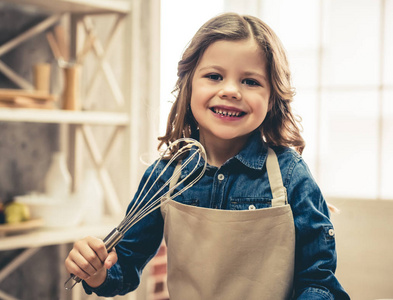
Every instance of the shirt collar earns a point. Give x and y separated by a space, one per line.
254 154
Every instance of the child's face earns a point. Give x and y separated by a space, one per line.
230 90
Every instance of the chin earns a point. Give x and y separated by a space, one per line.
230 136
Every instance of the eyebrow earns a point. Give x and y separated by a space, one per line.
211 67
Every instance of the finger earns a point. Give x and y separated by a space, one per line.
86 257
73 268
88 260
111 259
99 248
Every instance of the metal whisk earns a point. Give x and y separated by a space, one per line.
193 153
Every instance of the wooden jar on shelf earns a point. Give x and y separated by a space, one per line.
71 93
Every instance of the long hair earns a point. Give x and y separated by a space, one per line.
280 127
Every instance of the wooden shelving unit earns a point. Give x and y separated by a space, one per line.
64 117
79 136
78 123
54 236
77 6
125 117
81 27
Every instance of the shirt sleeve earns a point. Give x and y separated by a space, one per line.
136 249
315 255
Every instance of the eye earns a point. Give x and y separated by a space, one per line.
214 76
251 82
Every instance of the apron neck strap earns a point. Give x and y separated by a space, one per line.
274 174
175 178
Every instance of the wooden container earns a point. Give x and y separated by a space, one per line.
41 77
71 94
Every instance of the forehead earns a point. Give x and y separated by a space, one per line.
245 53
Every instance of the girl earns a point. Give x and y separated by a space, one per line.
256 226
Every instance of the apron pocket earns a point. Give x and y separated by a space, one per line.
192 202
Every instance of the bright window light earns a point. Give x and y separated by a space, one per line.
179 21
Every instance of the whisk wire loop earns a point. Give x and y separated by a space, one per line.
180 152
138 213
140 208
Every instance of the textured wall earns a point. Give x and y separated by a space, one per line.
25 150
37 279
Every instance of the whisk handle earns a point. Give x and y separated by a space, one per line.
110 241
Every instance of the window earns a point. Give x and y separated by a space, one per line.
179 21
341 53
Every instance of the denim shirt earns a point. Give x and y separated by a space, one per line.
240 182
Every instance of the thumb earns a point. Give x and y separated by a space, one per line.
111 259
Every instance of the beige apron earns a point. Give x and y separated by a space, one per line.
231 255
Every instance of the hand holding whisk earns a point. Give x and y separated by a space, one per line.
194 154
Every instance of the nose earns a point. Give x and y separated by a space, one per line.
230 91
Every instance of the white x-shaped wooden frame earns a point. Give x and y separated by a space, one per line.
98 158
103 66
8 46
99 163
12 266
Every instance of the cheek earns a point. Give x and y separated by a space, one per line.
195 107
262 106
194 95
193 102
195 111
197 98
266 103
261 109
271 103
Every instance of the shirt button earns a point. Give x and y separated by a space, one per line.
252 207
331 232
220 177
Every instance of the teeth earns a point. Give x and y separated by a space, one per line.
226 113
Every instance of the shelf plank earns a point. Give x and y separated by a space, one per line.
63 116
77 6
55 236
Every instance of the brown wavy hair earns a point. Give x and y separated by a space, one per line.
281 126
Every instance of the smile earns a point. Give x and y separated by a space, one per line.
227 112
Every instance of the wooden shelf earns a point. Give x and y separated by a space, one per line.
63 116
55 236
77 6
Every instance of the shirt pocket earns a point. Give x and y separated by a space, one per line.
249 203
192 202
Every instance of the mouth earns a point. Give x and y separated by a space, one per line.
227 112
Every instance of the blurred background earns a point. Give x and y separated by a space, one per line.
341 57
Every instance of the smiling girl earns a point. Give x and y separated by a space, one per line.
256 225
230 97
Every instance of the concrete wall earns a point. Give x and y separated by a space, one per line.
25 151
25 148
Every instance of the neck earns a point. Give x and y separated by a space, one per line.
219 151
